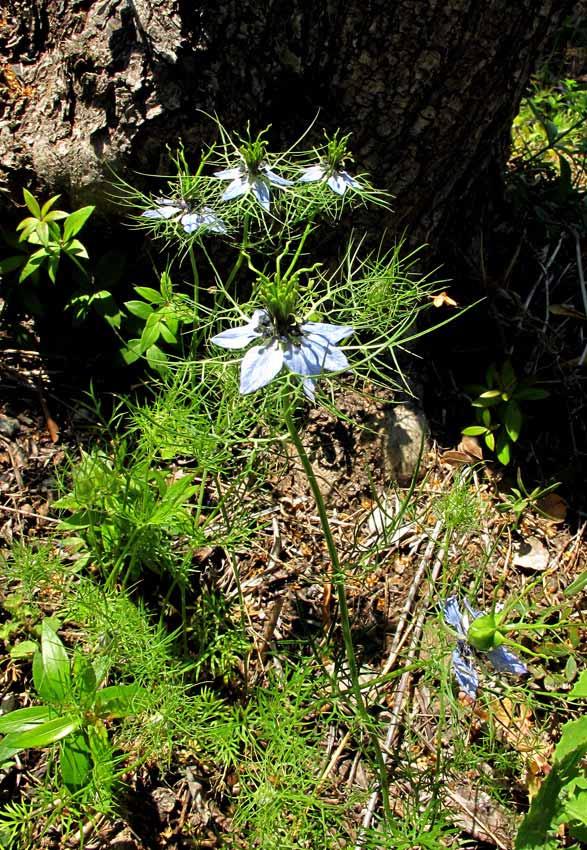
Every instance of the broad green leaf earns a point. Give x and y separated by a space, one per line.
23 649
167 333
576 807
117 700
474 430
150 335
10 264
56 215
76 249
490 441
24 719
157 359
35 261
27 224
149 294
578 585
75 221
48 204
580 688
103 772
52 267
43 734
180 490
547 807
51 673
132 351
79 519
139 308
487 400
42 231
503 449
573 738
84 680
6 754
75 761
32 203
512 421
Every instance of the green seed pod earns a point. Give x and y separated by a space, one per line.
484 634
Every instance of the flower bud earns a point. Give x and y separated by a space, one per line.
484 634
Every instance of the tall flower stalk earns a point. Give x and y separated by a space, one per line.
338 580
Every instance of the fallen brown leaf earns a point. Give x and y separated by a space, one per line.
443 299
554 506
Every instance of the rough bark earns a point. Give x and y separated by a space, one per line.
427 88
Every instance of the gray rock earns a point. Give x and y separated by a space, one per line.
405 441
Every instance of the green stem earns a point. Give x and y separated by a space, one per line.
338 580
196 277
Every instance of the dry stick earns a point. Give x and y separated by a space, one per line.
270 626
402 689
28 514
413 592
333 761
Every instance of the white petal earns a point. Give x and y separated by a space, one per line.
331 359
302 359
465 673
260 320
191 222
260 365
472 611
311 174
452 616
350 181
229 173
322 356
163 211
330 333
239 186
337 183
261 192
309 386
234 338
207 220
506 661
212 221
334 360
275 178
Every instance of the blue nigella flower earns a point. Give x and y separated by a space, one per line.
257 181
339 181
500 657
307 349
190 220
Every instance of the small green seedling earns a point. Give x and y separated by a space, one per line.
520 499
161 313
498 411
73 714
45 236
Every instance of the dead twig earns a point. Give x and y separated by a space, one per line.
403 686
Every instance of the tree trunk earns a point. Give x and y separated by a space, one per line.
427 88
